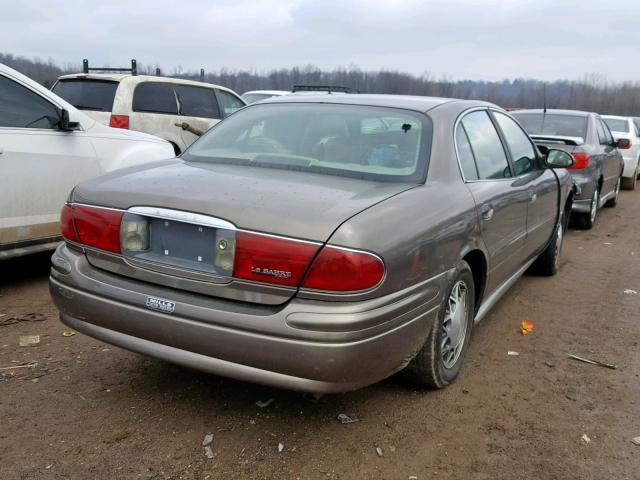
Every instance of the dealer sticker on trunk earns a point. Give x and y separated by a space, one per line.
160 305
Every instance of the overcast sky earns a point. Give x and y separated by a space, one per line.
474 39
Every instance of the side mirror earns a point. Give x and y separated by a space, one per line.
558 159
65 124
623 144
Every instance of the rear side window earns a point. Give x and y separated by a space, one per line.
22 108
490 157
197 101
522 151
155 97
465 154
229 103
95 95
617 124
608 138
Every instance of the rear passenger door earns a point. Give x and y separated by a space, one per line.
541 184
501 200
612 165
155 111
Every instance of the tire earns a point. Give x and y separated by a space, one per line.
614 201
630 183
548 262
586 221
429 367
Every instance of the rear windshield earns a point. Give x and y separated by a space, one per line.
372 143
617 124
87 94
553 124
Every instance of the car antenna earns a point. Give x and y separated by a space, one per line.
544 98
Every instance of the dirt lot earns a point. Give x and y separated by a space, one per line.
89 410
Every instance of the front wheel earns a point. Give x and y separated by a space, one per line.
439 361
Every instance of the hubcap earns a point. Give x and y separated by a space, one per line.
559 236
618 188
454 326
594 205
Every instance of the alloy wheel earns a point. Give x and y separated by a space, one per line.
454 326
594 205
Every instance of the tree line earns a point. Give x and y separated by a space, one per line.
590 93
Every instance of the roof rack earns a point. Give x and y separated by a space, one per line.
323 88
133 70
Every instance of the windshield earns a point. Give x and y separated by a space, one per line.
553 124
356 141
87 94
256 97
617 124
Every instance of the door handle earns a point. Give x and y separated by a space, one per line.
487 212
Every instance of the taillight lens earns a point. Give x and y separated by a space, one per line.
341 270
580 161
92 226
624 147
119 121
67 227
277 260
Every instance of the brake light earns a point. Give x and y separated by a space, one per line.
626 147
92 226
342 270
67 227
580 161
269 259
119 121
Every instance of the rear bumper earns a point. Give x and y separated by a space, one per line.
584 192
313 346
630 166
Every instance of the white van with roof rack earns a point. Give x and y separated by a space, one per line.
151 104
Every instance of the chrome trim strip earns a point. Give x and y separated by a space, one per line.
500 291
182 216
280 237
99 207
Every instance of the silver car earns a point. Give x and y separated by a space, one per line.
316 243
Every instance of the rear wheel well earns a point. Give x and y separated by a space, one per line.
478 265
600 182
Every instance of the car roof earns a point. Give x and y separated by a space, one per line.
409 102
616 117
118 77
268 92
555 111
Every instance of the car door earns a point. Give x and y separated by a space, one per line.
608 158
501 200
39 165
540 182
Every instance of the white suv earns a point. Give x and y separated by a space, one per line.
150 104
46 147
625 127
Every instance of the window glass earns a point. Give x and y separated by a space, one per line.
522 151
356 141
229 103
489 154
553 124
602 135
197 101
155 97
608 138
465 154
617 124
256 97
88 94
22 108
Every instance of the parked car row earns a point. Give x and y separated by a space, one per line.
308 241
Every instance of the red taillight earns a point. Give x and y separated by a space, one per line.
580 161
67 227
119 121
341 270
92 226
264 258
624 147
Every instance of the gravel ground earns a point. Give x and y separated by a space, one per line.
90 410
